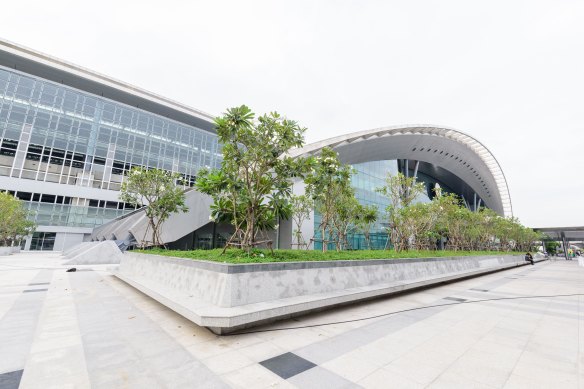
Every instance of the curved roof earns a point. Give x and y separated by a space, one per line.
441 148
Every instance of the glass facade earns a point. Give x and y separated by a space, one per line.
43 241
71 215
367 178
53 133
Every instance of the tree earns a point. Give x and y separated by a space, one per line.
401 192
419 222
14 220
551 247
366 220
302 205
252 188
346 218
327 182
158 191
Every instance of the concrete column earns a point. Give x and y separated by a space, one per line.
21 150
90 151
416 170
109 162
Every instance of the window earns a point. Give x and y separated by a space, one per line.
43 241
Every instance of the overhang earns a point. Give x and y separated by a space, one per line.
569 233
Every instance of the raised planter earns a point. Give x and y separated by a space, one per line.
228 297
5 250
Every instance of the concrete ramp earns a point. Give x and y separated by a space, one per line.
95 253
73 251
175 227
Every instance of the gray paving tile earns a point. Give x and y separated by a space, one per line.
18 325
123 347
287 365
327 349
11 380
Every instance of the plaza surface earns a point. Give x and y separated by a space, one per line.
518 328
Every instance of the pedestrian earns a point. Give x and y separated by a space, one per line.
529 258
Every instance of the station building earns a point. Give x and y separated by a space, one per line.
68 135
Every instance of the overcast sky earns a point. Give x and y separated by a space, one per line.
509 73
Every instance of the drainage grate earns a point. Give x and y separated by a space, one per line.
287 365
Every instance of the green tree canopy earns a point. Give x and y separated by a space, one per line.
252 188
160 192
14 220
401 191
329 185
302 205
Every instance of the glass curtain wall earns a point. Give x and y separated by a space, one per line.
367 178
71 133
53 133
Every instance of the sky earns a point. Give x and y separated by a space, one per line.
509 73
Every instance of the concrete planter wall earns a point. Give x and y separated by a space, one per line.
227 297
5 250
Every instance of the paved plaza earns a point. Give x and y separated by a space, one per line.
517 328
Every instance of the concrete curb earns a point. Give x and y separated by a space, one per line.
227 301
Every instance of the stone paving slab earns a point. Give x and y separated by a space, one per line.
91 330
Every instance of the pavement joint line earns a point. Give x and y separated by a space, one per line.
402 311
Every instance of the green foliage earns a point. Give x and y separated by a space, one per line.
253 186
329 185
365 221
14 220
158 191
422 225
302 205
401 192
346 218
263 256
551 247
